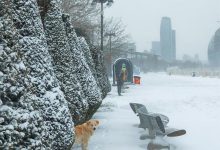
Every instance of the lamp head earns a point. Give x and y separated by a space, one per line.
93 3
110 2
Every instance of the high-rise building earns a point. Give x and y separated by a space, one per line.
173 45
214 50
156 48
167 40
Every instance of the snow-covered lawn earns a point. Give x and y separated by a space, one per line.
190 103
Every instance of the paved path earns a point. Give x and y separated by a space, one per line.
190 103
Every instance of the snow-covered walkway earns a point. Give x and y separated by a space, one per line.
190 103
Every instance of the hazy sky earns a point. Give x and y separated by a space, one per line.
195 22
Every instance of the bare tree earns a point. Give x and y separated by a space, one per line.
86 21
122 41
81 12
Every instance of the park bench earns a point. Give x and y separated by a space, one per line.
157 129
155 125
136 106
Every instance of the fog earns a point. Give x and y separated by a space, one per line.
195 22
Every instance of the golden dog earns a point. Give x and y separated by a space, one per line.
84 132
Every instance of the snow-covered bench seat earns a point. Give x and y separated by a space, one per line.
156 127
136 106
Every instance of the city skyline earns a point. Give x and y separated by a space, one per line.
195 21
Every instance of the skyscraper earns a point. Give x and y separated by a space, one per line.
173 45
167 40
214 50
156 48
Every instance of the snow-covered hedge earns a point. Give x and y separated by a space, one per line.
88 56
82 70
101 73
33 111
49 77
63 61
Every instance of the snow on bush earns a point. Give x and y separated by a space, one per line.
98 69
82 70
33 111
63 62
88 56
101 73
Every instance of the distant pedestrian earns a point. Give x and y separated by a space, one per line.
124 72
119 82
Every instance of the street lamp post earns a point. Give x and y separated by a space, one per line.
110 39
109 2
110 51
102 21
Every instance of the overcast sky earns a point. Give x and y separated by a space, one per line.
195 22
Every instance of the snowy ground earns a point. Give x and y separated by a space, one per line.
190 103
